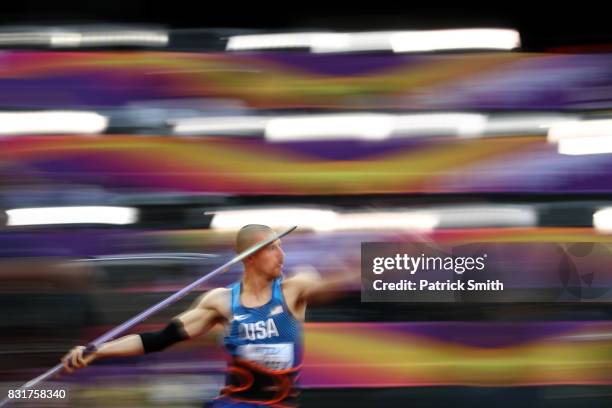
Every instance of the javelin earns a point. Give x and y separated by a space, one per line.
111 334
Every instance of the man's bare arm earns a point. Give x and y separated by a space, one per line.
206 312
310 285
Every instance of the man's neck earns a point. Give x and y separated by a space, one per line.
256 286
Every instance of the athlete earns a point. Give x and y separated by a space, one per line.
263 315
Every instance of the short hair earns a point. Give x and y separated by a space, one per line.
246 236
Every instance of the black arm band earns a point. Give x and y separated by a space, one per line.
157 341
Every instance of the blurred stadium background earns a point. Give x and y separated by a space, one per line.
137 138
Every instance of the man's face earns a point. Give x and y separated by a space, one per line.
268 260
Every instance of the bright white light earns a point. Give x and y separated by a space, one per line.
438 218
582 136
65 39
307 218
398 41
235 125
585 145
316 42
389 220
373 126
459 124
72 215
339 42
324 127
86 38
158 38
486 216
323 220
472 38
370 126
580 128
52 122
602 220
272 41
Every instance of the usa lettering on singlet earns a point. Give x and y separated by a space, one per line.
268 335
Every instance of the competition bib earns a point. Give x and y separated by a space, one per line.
273 356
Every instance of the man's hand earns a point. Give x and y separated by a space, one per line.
74 359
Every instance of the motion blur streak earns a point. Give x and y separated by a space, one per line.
71 215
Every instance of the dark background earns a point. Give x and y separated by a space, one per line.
543 26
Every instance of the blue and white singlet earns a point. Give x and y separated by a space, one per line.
265 346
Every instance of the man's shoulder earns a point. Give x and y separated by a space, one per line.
220 293
218 297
